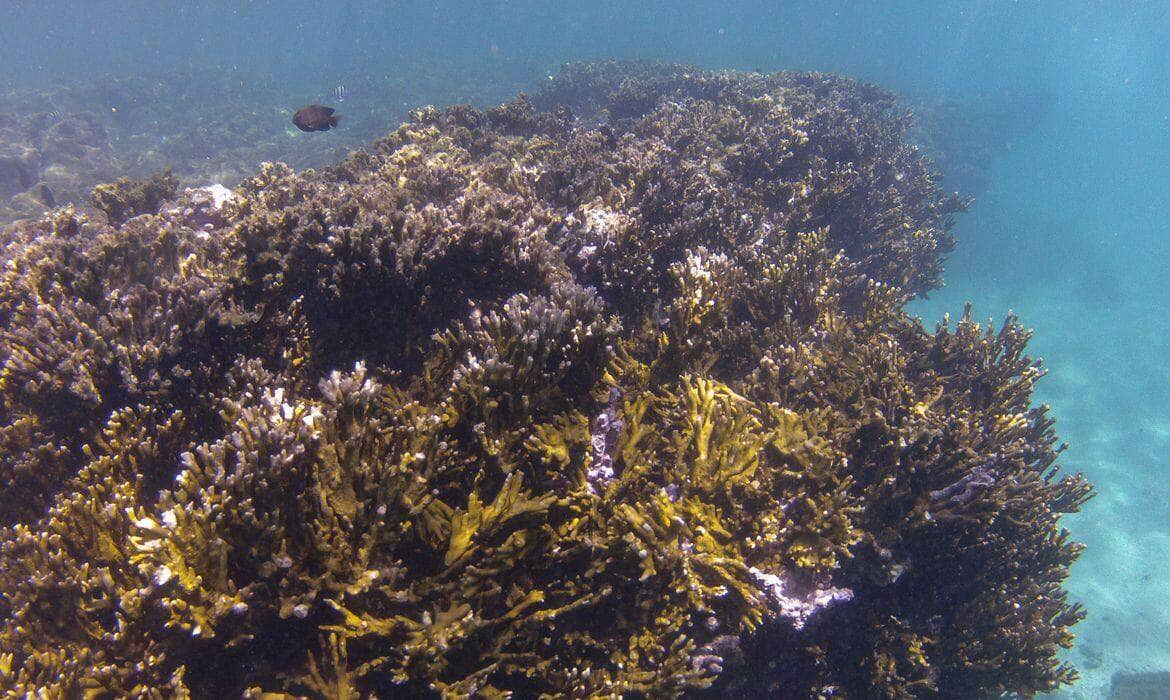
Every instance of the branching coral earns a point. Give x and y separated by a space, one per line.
127 197
609 391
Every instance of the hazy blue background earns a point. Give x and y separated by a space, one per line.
1065 105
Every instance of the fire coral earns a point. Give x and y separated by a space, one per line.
346 437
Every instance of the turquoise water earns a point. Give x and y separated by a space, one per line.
1059 127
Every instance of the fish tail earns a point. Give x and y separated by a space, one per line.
334 119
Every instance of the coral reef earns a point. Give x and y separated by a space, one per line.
608 391
213 124
128 197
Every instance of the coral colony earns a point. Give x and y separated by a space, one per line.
606 391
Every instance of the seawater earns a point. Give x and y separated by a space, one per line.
1054 116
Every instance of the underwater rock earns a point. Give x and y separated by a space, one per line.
1151 685
47 158
340 433
16 173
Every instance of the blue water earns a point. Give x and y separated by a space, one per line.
1065 107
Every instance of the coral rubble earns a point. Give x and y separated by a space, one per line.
606 391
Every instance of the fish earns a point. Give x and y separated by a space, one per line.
339 93
315 118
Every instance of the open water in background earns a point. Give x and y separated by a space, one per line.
1061 115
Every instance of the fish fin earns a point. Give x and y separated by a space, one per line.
334 119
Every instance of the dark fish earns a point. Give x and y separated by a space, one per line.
315 118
